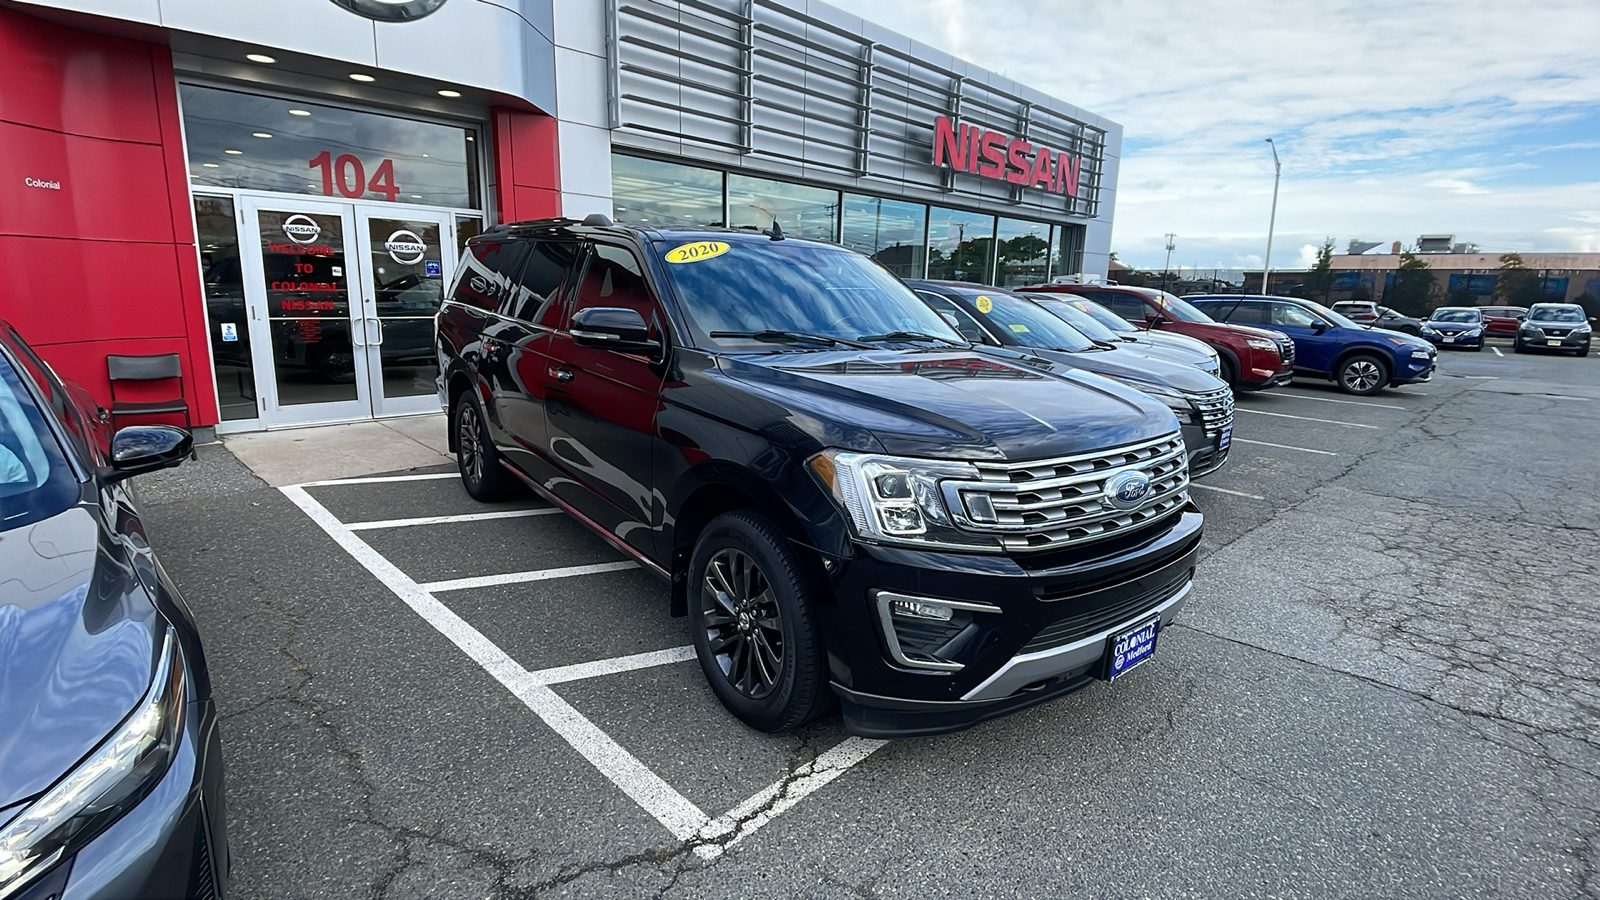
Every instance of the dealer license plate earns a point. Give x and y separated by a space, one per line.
1449 340
1130 648
1225 438
1552 343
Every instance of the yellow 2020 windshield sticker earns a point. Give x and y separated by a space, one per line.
699 251
985 304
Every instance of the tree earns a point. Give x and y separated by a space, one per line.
1414 286
1517 285
1319 281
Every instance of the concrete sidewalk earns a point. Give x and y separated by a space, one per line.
347 450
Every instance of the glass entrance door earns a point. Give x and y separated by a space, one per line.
405 255
341 299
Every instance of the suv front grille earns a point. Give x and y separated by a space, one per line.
1056 502
1216 410
1080 626
1286 349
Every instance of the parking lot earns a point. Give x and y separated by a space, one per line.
1387 683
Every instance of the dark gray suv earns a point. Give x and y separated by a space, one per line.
1555 326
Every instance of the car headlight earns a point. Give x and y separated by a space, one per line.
1533 329
1260 344
1176 400
1420 353
105 785
1583 329
898 500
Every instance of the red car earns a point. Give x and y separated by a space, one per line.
1253 359
1502 321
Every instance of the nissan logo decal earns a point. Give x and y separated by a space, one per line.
391 10
301 229
405 248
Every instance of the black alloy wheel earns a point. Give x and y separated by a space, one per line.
1362 375
754 629
476 457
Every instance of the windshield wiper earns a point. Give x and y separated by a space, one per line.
777 336
909 336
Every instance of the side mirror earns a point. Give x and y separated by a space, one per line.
138 449
1154 320
1524 318
1594 321
613 328
1319 327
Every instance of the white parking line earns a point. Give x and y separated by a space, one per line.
580 671
384 479
1262 412
446 520
674 811
462 584
1350 402
1207 487
1497 352
1284 447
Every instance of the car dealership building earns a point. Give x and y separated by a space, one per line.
278 192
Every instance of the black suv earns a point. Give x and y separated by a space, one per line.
846 497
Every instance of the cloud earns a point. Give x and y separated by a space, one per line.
1391 119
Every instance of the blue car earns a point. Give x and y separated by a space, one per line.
1358 358
1455 327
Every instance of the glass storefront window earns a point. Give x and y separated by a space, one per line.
651 192
240 140
1022 252
803 211
1066 255
893 232
960 246
223 283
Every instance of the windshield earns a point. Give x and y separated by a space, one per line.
1102 315
1556 314
1079 320
1180 310
748 286
1456 315
1026 322
35 482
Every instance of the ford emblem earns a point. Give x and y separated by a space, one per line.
1126 490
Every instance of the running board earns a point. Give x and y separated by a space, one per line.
645 562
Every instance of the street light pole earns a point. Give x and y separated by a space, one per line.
1167 266
1272 223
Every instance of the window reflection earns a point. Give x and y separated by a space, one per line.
651 192
1022 252
802 211
960 245
893 232
241 140
223 284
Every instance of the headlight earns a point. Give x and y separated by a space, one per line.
1583 329
1533 329
1427 328
1176 400
1420 353
1260 344
897 500
101 789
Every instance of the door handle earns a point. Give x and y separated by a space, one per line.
561 375
358 332
379 323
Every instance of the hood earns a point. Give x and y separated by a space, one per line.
953 404
77 647
1132 366
1551 323
1179 342
1184 350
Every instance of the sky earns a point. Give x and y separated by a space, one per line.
1392 119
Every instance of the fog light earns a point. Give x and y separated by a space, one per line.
902 520
916 609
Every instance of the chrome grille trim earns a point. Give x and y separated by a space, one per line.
1216 410
1045 504
1286 349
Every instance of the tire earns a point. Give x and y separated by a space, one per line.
1479 348
478 461
1230 372
1362 374
1517 347
1584 351
749 613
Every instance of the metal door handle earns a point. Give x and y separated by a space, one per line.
561 375
358 332
379 341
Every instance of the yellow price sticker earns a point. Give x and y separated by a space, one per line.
985 304
1020 329
699 251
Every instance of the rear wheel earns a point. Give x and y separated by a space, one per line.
1362 375
481 473
754 627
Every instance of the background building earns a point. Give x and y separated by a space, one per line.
278 192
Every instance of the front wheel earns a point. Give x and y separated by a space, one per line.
754 627
1229 372
1362 375
481 473
1517 346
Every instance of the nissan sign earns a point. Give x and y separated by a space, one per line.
993 154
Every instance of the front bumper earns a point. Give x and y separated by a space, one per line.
1446 341
1578 341
1057 611
172 844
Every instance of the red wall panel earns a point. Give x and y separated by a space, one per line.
527 165
107 263
75 82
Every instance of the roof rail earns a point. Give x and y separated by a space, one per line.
598 220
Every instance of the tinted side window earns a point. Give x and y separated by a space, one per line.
1248 313
965 323
544 271
615 278
1127 306
488 273
1289 314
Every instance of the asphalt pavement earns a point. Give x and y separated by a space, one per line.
1386 684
